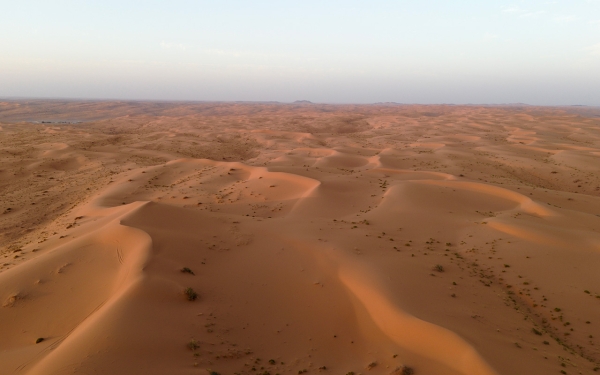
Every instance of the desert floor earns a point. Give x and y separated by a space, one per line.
314 238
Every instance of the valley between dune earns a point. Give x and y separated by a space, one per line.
268 238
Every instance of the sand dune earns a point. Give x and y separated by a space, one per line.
237 238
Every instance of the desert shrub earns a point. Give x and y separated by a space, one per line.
404 370
193 344
187 270
190 294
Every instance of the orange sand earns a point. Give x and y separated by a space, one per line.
326 239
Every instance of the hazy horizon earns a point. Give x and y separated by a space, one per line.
433 52
49 98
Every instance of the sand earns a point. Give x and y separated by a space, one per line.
369 239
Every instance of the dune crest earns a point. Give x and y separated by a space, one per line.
432 342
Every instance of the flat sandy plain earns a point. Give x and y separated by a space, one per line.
319 239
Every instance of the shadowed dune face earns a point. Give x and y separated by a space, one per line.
272 239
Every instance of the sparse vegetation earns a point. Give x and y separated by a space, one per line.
404 370
187 270
40 339
438 268
193 344
190 294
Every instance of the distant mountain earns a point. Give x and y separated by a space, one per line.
302 102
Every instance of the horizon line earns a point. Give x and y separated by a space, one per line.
300 101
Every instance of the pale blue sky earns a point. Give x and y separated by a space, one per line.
429 51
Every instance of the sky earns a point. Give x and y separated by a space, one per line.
329 51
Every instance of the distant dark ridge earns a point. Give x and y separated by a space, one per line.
303 102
